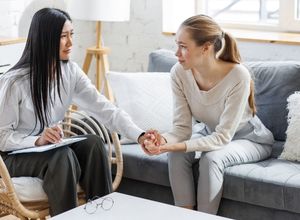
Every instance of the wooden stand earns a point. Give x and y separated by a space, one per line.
102 66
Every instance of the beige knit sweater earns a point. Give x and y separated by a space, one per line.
224 108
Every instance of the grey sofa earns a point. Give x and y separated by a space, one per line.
269 189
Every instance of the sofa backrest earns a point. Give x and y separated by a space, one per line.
161 60
274 82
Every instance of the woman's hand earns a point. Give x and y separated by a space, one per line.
50 135
154 145
151 137
151 147
155 150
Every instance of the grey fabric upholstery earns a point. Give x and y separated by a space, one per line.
274 82
161 61
268 189
139 166
244 211
272 183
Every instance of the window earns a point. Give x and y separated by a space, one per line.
277 15
243 11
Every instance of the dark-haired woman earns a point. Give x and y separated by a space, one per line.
212 86
34 96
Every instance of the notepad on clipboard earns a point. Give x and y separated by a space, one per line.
37 149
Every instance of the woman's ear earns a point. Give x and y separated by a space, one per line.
206 47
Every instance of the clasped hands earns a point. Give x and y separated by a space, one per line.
152 142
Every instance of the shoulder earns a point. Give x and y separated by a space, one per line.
70 66
71 71
241 72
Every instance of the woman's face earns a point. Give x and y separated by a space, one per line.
188 53
66 39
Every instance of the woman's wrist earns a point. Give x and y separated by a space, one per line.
178 147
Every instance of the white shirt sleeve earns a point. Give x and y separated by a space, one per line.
90 100
10 100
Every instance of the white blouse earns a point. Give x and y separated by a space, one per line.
17 117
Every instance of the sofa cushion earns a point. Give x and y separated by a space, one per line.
277 149
292 145
161 60
274 82
146 97
139 166
29 189
271 183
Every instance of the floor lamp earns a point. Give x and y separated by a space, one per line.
99 11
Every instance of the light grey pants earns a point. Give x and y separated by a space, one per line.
211 170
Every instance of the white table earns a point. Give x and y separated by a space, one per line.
133 208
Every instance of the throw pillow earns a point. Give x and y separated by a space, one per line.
146 97
291 149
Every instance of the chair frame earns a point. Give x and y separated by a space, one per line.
9 202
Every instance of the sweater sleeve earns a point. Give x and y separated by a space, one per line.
235 105
182 116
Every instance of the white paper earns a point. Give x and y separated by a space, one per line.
47 147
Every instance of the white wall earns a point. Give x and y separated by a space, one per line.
132 41
10 12
16 15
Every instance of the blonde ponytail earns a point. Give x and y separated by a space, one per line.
230 51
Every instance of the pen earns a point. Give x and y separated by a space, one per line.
61 130
59 124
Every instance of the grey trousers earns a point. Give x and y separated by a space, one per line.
211 169
84 162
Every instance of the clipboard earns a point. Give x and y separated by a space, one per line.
35 149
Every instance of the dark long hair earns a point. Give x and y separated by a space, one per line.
41 57
202 29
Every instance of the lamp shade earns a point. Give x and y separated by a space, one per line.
99 10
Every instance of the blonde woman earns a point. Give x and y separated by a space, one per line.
211 85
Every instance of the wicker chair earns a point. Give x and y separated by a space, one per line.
74 121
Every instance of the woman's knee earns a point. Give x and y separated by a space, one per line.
93 139
210 159
64 154
64 158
